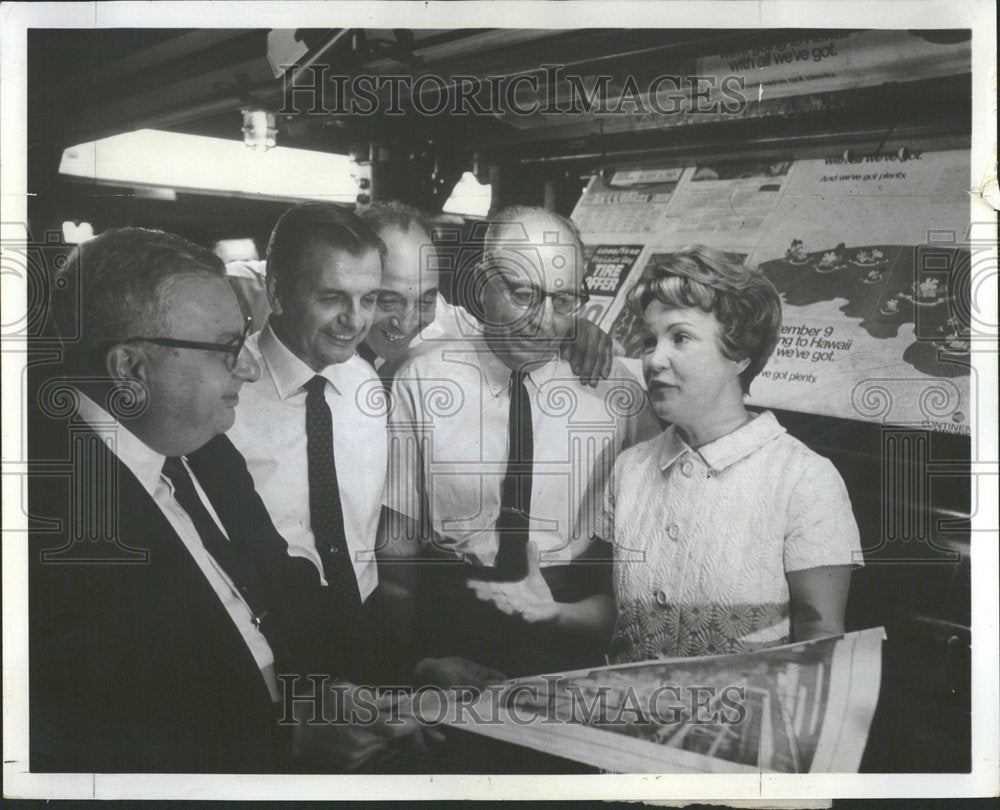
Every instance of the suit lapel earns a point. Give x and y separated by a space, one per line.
180 589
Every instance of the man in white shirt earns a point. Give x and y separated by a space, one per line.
496 441
410 308
412 316
312 429
159 644
324 272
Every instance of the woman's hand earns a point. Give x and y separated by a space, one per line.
529 599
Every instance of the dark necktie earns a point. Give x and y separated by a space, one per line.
515 491
366 354
225 553
325 513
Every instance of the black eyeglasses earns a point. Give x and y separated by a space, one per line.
526 297
233 349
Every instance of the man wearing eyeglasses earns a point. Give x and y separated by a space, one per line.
411 315
495 442
163 603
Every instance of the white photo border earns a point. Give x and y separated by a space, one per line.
979 15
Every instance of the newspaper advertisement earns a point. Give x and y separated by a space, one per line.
626 202
726 204
886 308
838 60
608 267
778 72
876 322
800 708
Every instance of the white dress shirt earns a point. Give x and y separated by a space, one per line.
147 466
448 448
451 322
270 432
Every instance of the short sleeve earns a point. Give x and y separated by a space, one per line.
403 492
821 528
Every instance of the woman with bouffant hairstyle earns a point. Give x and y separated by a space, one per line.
744 302
728 534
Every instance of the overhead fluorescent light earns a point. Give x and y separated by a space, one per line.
175 160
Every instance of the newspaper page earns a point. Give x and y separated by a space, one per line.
628 201
608 268
837 60
887 308
800 708
785 71
725 204
876 319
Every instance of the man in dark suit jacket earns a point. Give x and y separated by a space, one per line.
163 604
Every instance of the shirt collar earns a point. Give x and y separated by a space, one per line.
288 372
434 330
142 460
498 373
672 447
726 450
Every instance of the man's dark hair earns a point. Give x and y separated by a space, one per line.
301 224
125 275
392 214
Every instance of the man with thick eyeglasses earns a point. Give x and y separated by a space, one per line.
530 298
232 349
495 443
164 606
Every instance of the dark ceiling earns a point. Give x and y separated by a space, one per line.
87 84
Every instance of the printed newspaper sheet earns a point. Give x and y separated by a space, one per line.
800 708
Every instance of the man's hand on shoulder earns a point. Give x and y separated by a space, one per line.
589 352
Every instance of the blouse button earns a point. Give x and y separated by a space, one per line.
687 468
661 597
673 531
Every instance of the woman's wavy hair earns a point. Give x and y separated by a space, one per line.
742 299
